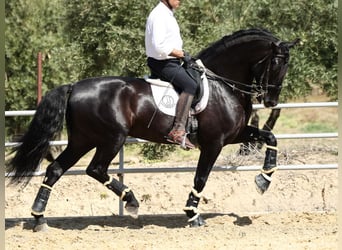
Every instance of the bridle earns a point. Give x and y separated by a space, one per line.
261 85
263 82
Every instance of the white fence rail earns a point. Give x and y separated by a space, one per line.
255 106
122 170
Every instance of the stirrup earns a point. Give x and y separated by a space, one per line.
181 139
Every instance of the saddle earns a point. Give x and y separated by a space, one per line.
166 96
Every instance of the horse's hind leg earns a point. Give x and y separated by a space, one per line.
98 170
53 172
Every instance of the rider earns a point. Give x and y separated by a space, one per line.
163 44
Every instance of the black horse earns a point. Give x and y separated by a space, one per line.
101 112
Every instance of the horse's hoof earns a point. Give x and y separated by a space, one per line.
41 228
132 211
198 222
262 183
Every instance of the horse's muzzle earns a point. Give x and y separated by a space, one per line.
270 103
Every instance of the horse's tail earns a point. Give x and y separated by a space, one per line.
45 125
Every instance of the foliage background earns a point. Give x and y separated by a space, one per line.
85 38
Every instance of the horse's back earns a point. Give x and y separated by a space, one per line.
106 106
99 86
103 90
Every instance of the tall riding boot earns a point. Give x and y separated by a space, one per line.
177 134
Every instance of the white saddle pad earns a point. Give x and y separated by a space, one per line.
166 97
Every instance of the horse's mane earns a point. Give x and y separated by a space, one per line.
238 37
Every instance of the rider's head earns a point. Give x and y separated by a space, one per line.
171 4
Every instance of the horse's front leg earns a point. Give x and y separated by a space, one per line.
206 161
263 180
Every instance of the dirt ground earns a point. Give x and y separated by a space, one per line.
299 211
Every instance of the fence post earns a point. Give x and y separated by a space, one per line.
39 77
121 177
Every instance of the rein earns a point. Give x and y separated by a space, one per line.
255 89
236 85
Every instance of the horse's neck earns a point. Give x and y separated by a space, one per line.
234 61
231 71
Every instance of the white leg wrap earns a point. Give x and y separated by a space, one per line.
194 217
191 208
109 181
272 147
125 192
269 171
266 177
37 213
195 193
46 186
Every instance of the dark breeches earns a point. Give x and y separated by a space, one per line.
171 70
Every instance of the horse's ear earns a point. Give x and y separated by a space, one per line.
287 44
292 44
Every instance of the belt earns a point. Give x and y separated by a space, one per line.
165 60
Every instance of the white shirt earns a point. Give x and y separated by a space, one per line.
162 33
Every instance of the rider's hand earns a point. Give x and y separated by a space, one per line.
187 58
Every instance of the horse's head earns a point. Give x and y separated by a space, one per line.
270 71
247 55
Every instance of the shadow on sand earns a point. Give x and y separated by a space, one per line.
115 221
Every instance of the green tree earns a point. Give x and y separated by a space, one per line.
315 23
312 63
110 35
32 27
87 38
